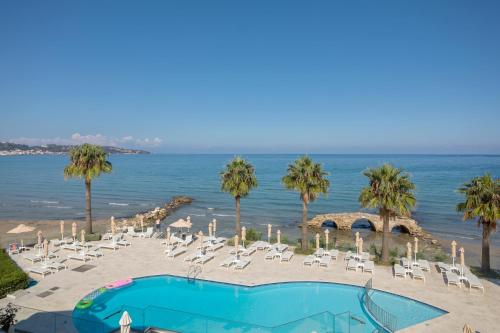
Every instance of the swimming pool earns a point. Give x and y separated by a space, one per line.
174 303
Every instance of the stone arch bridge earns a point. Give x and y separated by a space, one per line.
344 221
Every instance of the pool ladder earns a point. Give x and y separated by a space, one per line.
193 272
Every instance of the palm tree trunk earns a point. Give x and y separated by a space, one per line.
305 237
485 253
385 238
238 223
88 209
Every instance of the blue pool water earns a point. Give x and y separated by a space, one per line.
203 306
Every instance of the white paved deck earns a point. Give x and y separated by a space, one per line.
145 257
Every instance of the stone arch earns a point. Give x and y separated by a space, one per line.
329 224
370 223
402 227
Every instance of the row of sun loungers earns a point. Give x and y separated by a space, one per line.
458 276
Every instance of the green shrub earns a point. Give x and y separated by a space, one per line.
440 256
253 235
346 246
298 250
12 277
93 237
8 317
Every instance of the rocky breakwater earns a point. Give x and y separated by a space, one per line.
162 212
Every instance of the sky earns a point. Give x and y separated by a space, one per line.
253 76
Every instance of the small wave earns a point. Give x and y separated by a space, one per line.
210 208
464 237
117 204
224 215
45 201
58 207
197 214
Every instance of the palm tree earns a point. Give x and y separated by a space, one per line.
238 179
482 202
390 190
87 161
309 179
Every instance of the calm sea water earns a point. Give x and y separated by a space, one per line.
33 187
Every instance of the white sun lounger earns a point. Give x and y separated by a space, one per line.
123 242
94 253
474 282
248 251
192 256
228 262
187 241
174 253
424 265
352 265
71 247
286 256
206 258
405 263
40 270
108 246
215 247
417 273
399 271
220 240
31 257
79 256
348 256
56 265
444 267
241 264
324 261
334 253
365 256
368 266
131 232
148 234
261 245
452 278
281 247
309 260
271 255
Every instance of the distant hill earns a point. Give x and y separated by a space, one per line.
9 148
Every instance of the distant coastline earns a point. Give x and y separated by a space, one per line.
16 149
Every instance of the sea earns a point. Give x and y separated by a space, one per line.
34 188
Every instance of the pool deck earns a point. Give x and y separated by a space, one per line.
145 257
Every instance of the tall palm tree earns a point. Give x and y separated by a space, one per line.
482 202
87 161
238 179
309 179
391 191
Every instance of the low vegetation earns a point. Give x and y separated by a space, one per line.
8 317
12 277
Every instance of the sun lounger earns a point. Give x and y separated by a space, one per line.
71 247
333 254
281 247
399 271
405 263
368 266
56 242
474 282
206 258
123 242
424 265
108 246
81 256
365 256
261 245
452 278
94 253
348 256
220 240
228 262
319 252
148 234
241 264
131 232
286 256
249 251
215 247
31 257
352 265
417 273
309 260
324 261
55 265
271 254
177 251
192 256
40 270
443 267
187 241
107 236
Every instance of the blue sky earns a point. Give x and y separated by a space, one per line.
253 76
